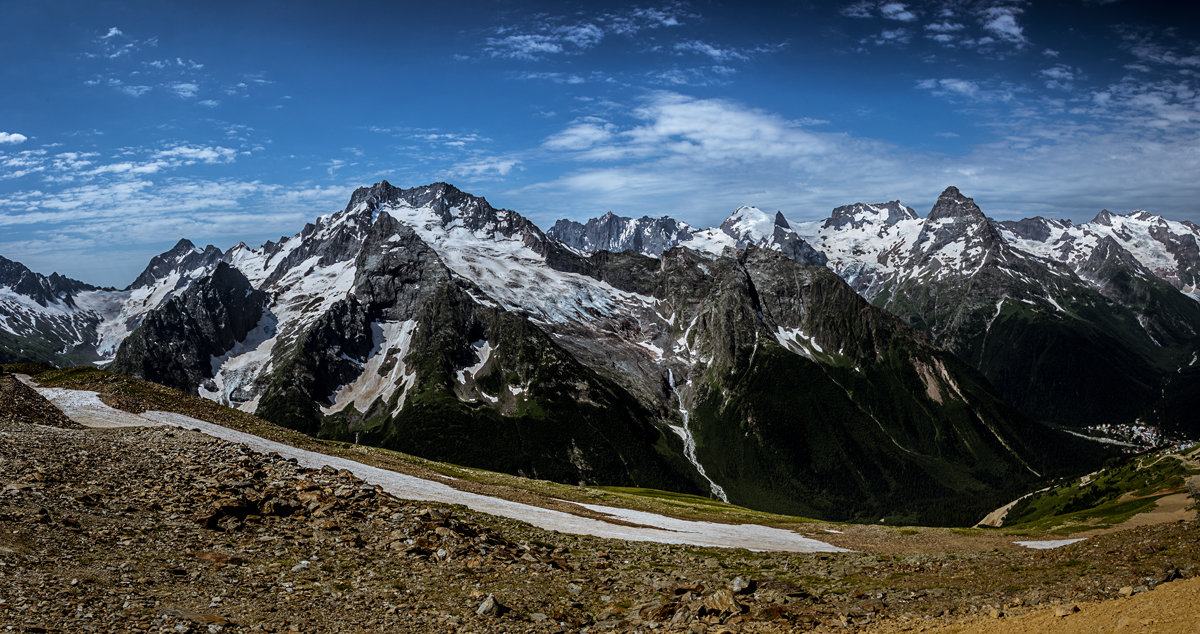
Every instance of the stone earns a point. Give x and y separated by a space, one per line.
740 585
491 607
1065 610
722 602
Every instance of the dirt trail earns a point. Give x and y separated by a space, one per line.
1171 608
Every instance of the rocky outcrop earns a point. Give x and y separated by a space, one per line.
175 345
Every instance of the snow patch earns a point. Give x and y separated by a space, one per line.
384 371
1047 544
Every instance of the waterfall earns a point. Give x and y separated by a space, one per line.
689 442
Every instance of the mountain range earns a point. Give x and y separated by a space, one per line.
874 364
1077 325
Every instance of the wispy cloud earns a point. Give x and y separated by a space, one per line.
476 168
581 135
129 66
558 35
724 54
951 87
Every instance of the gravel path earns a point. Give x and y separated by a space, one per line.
86 408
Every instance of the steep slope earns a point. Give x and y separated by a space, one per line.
1074 341
428 321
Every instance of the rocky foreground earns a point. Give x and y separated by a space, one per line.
167 530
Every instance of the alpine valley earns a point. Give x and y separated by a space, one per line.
875 364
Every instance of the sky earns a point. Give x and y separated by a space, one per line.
125 126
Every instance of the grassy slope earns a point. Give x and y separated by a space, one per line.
1121 490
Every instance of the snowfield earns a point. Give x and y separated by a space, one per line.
86 408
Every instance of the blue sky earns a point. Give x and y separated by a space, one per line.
127 125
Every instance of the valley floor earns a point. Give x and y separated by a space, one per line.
162 528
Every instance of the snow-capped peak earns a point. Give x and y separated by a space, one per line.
748 225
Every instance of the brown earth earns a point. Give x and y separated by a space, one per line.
1172 608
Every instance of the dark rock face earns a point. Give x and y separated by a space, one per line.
645 235
794 246
175 344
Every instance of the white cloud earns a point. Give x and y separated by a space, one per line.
581 35
12 138
185 90
191 154
1002 22
862 9
112 32
557 35
954 87
1060 76
897 11
698 159
893 36
581 136
723 54
524 46
704 48
134 91
944 27
485 166
558 78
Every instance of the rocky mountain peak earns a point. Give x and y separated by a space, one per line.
780 221
952 205
1105 217
610 232
1037 228
859 215
184 260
